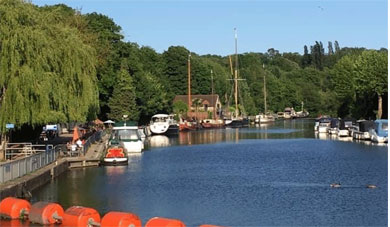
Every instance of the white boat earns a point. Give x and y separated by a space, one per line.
126 135
364 130
380 133
163 124
264 118
323 125
289 113
334 126
344 126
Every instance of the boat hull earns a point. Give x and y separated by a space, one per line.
238 123
115 161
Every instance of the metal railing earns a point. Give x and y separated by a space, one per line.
17 168
24 149
92 139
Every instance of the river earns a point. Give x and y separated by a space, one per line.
273 175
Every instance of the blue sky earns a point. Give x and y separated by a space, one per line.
206 27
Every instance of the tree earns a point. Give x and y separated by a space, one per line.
151 95
330 48
180 108
175 70
371 75
196 103
336 46
123 101
47 70
306 59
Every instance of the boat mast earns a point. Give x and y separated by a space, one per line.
265 94
236 74
189 82
212 94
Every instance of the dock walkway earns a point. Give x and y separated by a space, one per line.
22 186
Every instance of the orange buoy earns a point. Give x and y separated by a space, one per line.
14 208
46 213
120 219
80 216
164 222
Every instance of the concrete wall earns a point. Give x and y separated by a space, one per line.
23 186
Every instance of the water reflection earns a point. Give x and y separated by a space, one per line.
158 141
276 130
264 178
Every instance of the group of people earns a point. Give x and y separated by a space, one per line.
74 146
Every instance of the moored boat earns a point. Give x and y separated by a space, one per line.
264 118
126 135
115 155
163 124
334 126
364 130
379 134
344 126
211 123
323 124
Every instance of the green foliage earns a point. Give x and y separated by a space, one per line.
47 71
180 108
371 72
57 65
123 98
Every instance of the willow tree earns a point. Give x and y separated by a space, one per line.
47 72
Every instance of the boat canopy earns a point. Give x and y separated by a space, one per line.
125 123
334 123
365 126
325 120
381 126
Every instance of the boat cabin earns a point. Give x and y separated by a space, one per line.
381 127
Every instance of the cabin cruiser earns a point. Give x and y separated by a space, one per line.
379 134
125 134
345 124
323 124
364 130
334 126
264 118
289 113
163 124
237 122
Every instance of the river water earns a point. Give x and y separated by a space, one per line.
271 175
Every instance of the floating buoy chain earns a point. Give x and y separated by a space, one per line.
46 213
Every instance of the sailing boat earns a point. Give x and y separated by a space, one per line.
237 121
185 125
212 123
264 117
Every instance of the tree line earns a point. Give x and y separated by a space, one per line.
58 65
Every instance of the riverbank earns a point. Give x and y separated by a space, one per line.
22 186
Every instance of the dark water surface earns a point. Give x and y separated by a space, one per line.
271 175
